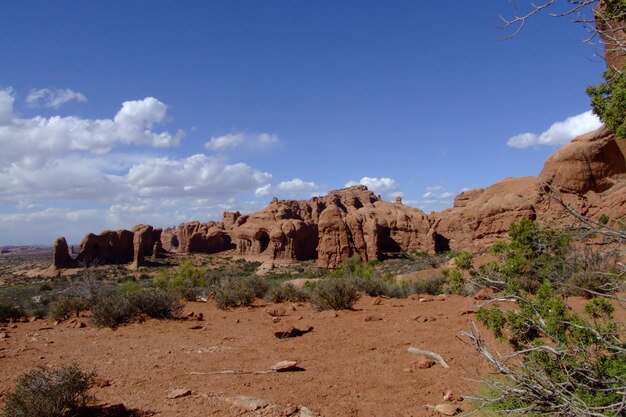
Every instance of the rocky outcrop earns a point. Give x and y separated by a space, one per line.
144 240
613 35
62 258
591 162
589 173
109 247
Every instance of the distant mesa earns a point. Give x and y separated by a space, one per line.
590 172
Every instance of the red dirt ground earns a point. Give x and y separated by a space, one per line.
352 367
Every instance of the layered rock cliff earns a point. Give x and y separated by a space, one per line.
589 172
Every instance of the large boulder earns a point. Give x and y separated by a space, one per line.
590 162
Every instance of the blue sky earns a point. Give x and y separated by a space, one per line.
115 113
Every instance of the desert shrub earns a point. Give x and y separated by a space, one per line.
464 261
156 303
354 267
373 286
335 294
563 364
189 280
112 309
67 305
89 286
533 255
259 285
10 311
432 285
456 281
400 289
128 287
603 219
280 293
235 293
56 392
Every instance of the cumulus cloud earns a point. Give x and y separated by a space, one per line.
235 140
296 185
53 98
382 186
559 133
64 175
263 191
434 198
196 175
39 138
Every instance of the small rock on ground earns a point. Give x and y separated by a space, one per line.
178 393
248 403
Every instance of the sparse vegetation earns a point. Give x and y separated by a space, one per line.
57 392
67 305
432 285
335 294
236 293
279 293
10 311
156 303
112 309
189 280
563 364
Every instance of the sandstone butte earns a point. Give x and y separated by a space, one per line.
589 172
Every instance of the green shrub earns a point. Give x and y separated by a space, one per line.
335 294
373 286
432 285
464 261
9 311
190 281
128 287
533 255
67 305
112 309
280 293
565 365
456 281
604 219
156 303
354 267
608 100
56 392
400 289
235 293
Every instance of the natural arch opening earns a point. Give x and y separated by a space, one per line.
442 244
264 240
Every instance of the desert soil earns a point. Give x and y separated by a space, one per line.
351 367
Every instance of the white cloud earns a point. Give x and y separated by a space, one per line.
435 198
39 138
235 140
53 98
63 176
196 175
221 143
296 186
382 186
263 191
559 133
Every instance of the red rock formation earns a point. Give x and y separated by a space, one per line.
614 38
590 173
61 255
591 162
109 247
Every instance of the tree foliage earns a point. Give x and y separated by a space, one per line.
608 100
